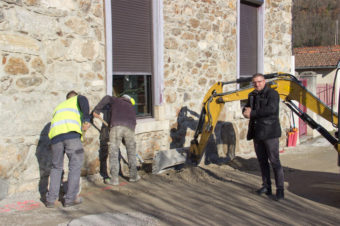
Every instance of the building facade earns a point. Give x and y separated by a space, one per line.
316 67
165 53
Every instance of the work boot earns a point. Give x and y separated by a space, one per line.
264 190
105 179
135 179
280 194
77 201
49 204
112 181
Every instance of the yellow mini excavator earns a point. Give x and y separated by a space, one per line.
289 89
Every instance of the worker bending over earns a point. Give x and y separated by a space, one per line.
70 118
122 128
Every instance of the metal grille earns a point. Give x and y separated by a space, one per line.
324 93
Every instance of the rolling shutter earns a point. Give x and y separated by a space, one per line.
248 39
132 36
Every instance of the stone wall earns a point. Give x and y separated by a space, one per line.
47 49
200 50
50 47
278 36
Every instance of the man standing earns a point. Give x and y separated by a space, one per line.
262 109
122 128
70 118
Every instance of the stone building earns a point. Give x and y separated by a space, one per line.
165 53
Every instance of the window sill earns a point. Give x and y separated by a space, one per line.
151 125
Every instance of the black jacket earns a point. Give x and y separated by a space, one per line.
264 120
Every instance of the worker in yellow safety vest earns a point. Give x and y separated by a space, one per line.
70 119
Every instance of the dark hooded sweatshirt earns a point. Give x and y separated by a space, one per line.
122 111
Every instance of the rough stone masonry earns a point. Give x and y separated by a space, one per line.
49 47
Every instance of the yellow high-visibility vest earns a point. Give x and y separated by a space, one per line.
66 118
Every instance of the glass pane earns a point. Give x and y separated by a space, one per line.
138 87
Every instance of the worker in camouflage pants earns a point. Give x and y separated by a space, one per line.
117 135
122 129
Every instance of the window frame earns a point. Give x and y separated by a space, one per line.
157 77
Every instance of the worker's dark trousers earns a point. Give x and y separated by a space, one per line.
75 153
269 150
103 151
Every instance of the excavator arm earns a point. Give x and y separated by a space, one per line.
289 89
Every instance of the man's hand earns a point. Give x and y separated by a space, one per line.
96 115
246 112
85 126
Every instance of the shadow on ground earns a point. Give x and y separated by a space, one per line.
320 187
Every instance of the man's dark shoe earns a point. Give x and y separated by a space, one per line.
264 190
106 179
78 201
49 204
280 194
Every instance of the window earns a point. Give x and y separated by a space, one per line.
138 87
250 37
132 52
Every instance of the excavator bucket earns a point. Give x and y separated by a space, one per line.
169 158
206 123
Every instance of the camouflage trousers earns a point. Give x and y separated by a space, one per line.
117 135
